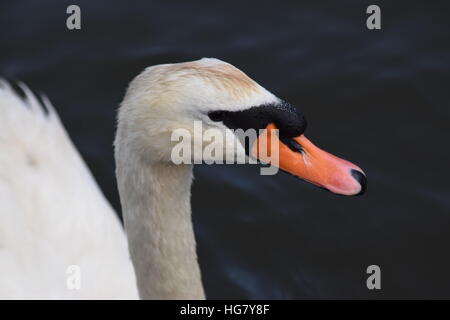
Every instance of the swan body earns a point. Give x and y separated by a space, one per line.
53 214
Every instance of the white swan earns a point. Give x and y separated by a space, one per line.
53 215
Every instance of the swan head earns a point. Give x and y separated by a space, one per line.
191 105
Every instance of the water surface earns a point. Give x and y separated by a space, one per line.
377 98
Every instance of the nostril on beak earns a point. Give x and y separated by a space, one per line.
361 178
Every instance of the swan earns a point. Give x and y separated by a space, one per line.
53 215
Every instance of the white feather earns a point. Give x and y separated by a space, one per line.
52 213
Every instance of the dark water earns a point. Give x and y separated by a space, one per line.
380 99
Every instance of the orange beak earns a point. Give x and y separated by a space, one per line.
311 164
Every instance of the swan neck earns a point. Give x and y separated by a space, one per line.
157 213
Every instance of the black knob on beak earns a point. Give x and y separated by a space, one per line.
361 178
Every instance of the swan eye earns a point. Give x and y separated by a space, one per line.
216 115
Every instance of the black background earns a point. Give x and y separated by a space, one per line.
377 98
